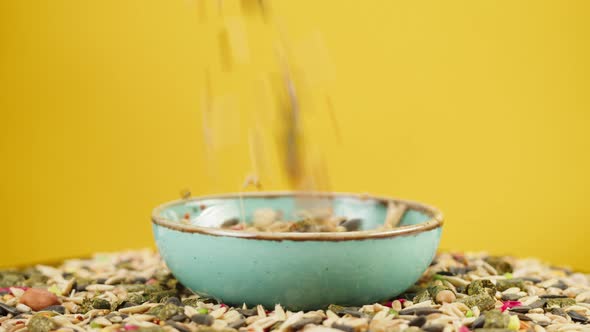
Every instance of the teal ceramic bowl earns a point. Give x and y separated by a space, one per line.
301 271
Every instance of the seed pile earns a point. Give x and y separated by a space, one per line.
133 291
269 220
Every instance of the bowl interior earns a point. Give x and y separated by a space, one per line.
213 211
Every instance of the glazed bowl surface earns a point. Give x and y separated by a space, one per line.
301 271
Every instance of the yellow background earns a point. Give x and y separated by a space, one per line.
478 107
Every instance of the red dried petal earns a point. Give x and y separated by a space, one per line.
464 329
509 304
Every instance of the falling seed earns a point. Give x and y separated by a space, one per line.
248 6
237 40
185 193
225 57
207 108
330 108
252 180
251 7
255 158
202 10
220 7
293 153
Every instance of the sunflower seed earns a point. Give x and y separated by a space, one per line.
237 323
576 317
302 322
343 327
418 321
552 296
203 319
478 323
419 311
521 309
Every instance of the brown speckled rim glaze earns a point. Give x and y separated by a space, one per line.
435 221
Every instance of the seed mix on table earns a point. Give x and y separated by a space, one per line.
133 291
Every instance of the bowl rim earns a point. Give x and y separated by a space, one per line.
435 221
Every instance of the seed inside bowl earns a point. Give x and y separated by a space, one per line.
269 220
